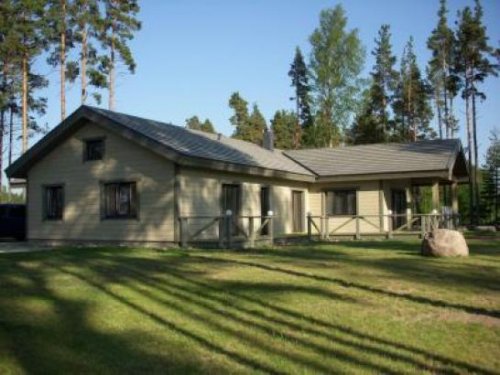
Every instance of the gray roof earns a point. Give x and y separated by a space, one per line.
429 155
212 151
205 145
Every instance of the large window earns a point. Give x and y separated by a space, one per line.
94 149
342 202
120 200
53 202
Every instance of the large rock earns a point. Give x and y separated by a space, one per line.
444 243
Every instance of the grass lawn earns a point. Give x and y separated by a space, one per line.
357 307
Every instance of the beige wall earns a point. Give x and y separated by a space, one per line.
368 204
123 160
200 194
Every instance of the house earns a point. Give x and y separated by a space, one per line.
107 176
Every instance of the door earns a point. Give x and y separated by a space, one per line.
398 208
298 211
231 200
265 207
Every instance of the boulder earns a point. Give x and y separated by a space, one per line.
444 243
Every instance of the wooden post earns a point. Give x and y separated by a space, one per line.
422 227
358 233
381 204
309 226
229 235
271 227
409 200
221 231
435 195
389 225
251 234
184 231
327 227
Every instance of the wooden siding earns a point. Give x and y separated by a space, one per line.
200 192
123 160
367 201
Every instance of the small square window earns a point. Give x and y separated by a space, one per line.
94 149
53 202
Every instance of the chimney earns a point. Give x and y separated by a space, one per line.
268 141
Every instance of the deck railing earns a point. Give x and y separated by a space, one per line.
230 228
387 224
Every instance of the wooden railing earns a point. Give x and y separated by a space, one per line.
380 224
230 228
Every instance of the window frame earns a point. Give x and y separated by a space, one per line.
330 203
85 153
133 205
45 213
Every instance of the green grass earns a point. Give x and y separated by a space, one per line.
356 307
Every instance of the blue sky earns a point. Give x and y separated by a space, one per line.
191 55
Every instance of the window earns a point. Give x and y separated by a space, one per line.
54 202
94 149
120 200
341 202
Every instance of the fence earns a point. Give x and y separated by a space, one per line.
244 229
387 225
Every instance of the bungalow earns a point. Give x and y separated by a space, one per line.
106 176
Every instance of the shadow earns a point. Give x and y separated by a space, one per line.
367 288
155 288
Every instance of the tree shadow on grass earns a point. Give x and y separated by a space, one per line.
359 286
187 295
167 282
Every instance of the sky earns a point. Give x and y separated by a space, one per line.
191 55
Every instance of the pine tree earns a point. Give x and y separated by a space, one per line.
373 124
337 58
411 105
118 28
283 126
442 45
60 33
240 117
208 127
30 42
490 193
473 63
299 74
194 123
257 125
88 22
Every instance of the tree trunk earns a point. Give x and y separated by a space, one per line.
25 104
83 65
445 94
2 131
469 145
112 73
62 61
451 126
476 159
438 108
11 133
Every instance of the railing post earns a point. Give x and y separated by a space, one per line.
327 227
389 225
221 231
251 234
422 226
229 235
183 230
358 234
309 226
271 227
